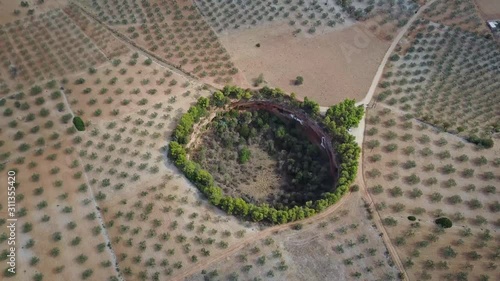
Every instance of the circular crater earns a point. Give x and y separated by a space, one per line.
266 153
263 155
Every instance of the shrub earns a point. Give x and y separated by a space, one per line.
482 142
346 113
394 57
412 179
415 193
244 155
444 222
79 81
78 122
377 189
455 199
412 218
436 197
259 80
396 191
494 207
448 252
35 90
390 221
299 80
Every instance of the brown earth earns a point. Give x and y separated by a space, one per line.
335 65
7 8
489 9
311 253
42 231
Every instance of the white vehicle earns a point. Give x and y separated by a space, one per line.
296 119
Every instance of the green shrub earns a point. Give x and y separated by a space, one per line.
394 57
299 80
412 218
444 222
78 122
244 155
482 142
346 113
35 90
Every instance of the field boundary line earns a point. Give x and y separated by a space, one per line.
377 219
259 235
86 36
102 223
98 209
138 48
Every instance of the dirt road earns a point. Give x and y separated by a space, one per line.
381 67
359 134
258 236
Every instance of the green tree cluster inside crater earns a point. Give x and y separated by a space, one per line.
263 159
298 183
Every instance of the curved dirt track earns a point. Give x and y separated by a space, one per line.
394 43
260 235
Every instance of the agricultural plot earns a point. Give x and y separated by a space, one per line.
104 202
490 9
334 65
32 121
302 16
172 30
456 14
104 39
16 10
128 151
42 48
345 245
54 241
126 84
163 229
416 174
446 77
336 50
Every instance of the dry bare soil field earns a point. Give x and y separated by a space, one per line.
490 9
106 203
336 55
